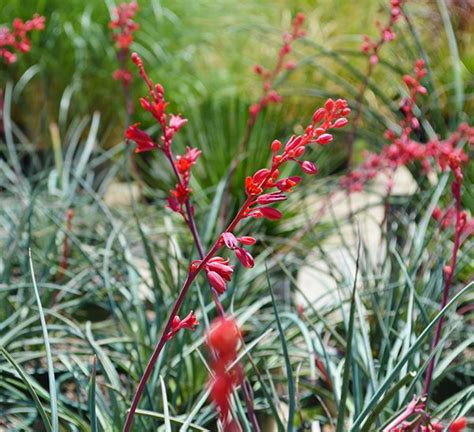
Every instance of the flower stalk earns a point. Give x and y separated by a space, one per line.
332 115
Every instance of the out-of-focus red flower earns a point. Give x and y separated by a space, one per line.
269 94
17 38
458 425
223 338
122 27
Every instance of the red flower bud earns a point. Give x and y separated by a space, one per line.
244 257
324 139
319 114
276 146
247 240
309 167
340 122
271 198
216 281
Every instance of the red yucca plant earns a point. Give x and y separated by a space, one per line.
263 189
447 154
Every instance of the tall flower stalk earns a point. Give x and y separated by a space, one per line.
122 27
372 49
263 188
268 94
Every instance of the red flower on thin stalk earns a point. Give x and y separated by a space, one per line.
179 201
156 105
16 38
218 269
372 47
189 322
269 94
387 33
403 150
122 27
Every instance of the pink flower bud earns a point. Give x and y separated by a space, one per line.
329 105
276 146
374 60
216 281
247 240
309 167
244 257
340 122
319 114
324 139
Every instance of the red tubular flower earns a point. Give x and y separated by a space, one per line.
244 257
143 140
309 167
177 122
189 322
265 212
229 240
286 185
221 266
216 281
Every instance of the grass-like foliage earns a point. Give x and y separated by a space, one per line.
348 307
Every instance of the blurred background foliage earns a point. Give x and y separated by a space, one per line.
203 52
126 261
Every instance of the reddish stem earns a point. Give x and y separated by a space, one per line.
413 407
447 286
190 278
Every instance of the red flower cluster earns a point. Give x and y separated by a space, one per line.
402 150
17 37
387 34
457 425
223 340
218 270
189 322
123 26
156 105
333 115
269 95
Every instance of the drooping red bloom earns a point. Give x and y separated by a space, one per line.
189 322
17 39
